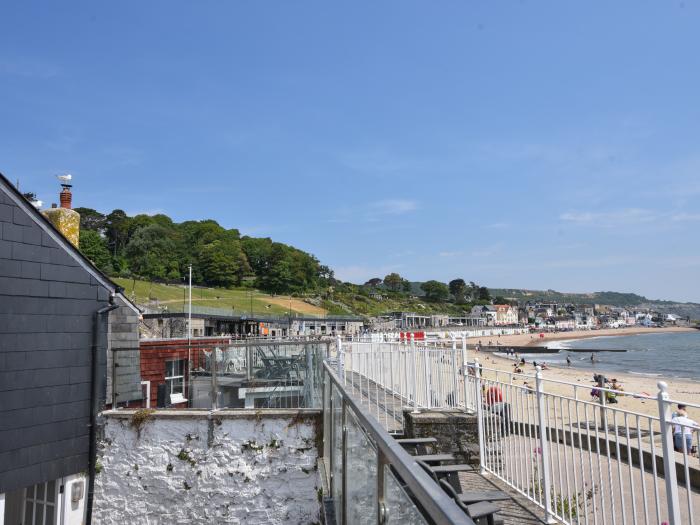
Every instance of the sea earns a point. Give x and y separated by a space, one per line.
664 355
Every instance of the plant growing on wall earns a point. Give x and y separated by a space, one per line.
139 419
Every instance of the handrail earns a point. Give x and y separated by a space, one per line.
440 507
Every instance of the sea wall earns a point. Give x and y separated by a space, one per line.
189 466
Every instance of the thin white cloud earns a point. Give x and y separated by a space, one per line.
449 254
393 207
685 217
487 251
628 216
499 225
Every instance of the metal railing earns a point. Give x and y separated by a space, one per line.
567 447
373 480
216 373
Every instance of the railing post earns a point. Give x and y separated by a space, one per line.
344 459
415 376
465 375
455 378
341 357
479 416
381 505
544 447
214 394
669 455
426 370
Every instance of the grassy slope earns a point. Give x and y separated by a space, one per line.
143 292
363 305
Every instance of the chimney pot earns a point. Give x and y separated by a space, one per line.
66 198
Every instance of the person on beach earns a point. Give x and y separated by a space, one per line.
592 358
522 360
568 361
683 428
495 404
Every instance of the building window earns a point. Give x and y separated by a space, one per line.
40 504
175 378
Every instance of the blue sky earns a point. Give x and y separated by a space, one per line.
516 144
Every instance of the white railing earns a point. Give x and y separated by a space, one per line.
581 458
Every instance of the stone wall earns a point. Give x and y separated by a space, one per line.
123 345
456 432
188 466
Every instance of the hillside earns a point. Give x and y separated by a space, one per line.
609 298
238 300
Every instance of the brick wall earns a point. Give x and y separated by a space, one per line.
154 354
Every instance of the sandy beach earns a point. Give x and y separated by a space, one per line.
686 390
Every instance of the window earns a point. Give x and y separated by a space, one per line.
175 378
40 504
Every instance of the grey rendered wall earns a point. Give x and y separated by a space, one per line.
124 349
47 301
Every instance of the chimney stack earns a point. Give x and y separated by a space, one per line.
65 219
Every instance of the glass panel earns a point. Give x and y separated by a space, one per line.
400 508
48 520
51 492
40 491
326 420
361 475
28 512
337 453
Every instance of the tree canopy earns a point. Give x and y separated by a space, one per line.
155 247
435 291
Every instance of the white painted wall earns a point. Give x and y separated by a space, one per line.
239 467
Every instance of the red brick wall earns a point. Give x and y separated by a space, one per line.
154 354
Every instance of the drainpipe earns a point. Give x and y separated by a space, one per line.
95 402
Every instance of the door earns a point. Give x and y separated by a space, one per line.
40 504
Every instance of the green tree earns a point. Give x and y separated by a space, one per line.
458 288
483 294
91 220
393 281
151 254
222 263
117 231
94 247
374 282
435 291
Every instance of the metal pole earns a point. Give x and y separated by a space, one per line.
455 379
189 309
544 447
189 343
344 459
214 395
340 353
426 372
669 455
415 377
381 505
479 416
